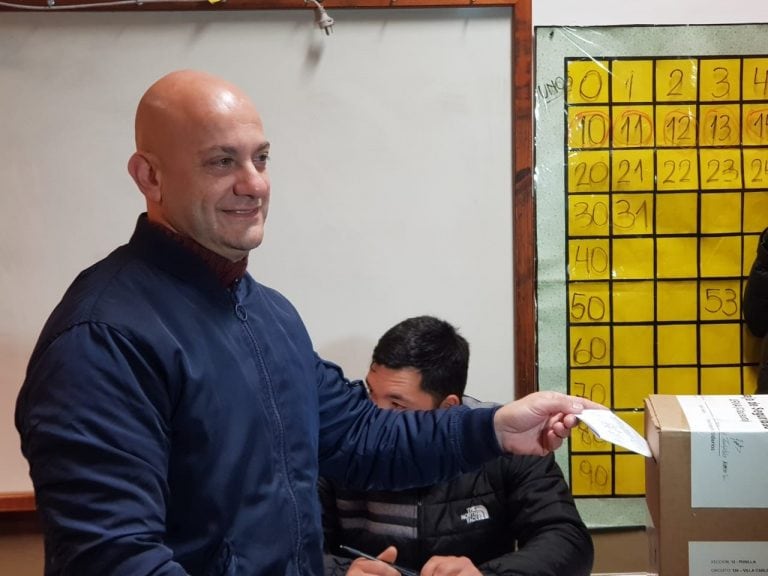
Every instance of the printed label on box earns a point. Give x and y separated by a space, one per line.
724 558
729 441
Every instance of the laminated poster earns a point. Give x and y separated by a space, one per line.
651 190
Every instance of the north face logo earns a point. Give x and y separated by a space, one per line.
475 514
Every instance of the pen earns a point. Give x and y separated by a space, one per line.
403 571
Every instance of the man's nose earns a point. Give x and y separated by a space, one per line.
252 181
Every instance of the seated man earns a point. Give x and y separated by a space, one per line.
513 516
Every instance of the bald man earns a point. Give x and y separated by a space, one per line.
174 413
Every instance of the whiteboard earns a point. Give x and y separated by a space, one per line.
391 172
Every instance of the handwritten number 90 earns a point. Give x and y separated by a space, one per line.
597 475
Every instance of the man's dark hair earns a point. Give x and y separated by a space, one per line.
431 346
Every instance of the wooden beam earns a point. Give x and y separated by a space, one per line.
523 213
150 5
17 502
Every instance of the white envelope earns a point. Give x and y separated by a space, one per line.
609 427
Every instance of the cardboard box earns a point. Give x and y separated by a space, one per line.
707 484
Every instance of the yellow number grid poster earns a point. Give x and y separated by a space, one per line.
651 192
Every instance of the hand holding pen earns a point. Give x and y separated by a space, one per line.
381 565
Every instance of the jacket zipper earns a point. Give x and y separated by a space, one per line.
242 314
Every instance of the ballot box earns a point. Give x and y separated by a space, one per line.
707 484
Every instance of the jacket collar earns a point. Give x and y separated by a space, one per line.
195 265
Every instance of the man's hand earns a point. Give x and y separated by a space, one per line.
380 567
449 566
538 423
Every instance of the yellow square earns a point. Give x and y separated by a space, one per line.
720 212
588 172
720 299
587 82
676 301
588 302
593 384
720 79
632 258
633 345
591 475
719 125
750 379
720 256
676 80
677 169
632 80
630 475
726 380
632 214
588 260
755 211
754 125
720 168
677 213
588 215
631 386
755 79
720 343
676 258
752 345
755 168
633 302
589 346
683 381
750 251
632 170
676 125
632 126
588 126
636 420
676 344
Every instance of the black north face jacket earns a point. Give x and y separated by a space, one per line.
515 516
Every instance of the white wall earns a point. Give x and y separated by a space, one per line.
616 12
391 175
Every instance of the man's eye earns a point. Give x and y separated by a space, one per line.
222 162
261 159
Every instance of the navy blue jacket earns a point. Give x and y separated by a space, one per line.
174 427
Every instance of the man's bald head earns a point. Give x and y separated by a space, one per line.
179 101
201 161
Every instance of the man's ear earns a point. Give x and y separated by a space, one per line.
450 400
142 169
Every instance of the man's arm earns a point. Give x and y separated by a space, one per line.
552 538
367 448
93 422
